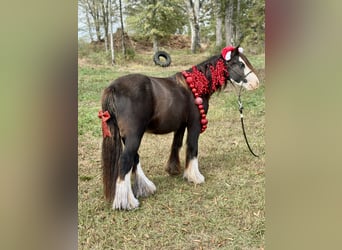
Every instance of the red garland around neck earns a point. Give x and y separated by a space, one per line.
199 85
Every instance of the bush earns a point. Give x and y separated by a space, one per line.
83 49
96 54
100 58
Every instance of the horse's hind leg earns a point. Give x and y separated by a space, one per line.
124 198
173 165
142 186
191 172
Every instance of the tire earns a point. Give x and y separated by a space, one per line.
162 63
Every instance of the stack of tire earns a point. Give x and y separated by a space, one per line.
164 62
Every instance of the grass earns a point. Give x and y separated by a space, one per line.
226 212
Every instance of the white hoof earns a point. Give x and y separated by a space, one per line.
142 187
124 198
192 173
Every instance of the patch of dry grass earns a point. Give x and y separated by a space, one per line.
226 212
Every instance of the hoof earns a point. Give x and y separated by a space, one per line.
142 187
173 168
124 198
125 203
192 173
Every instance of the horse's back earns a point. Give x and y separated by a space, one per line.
132 85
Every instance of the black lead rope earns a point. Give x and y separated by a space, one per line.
241 115
243 126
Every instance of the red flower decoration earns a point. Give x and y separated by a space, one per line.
199 85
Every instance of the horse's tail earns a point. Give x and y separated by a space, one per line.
111 146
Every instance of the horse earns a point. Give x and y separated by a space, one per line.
134 104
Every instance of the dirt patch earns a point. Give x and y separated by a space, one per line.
173 42
142 44
117 39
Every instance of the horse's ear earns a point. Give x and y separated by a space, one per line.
236 51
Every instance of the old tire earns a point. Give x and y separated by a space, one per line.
165 62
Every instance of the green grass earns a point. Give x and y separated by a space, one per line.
226 212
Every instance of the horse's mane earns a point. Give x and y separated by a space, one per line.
247 62
205 66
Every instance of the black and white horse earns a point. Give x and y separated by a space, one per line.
135 104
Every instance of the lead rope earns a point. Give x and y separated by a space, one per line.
243 127
242 124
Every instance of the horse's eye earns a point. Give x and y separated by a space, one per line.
242 65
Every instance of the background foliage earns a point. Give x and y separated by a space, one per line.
158 19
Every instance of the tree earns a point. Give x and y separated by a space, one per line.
155 19
85 24
122 30
244 22
253 24
193 10
228 22
97 14
219 21
111 33
223 22
94 9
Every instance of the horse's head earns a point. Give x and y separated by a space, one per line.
241 72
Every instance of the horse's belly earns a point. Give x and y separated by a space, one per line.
167 122
170 109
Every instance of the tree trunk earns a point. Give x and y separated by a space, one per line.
111 33
88 23
93 8
193 7
122 30
98 31
228 24
105 17
237 36
155 44
219 21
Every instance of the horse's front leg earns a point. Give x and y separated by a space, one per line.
191 172
173 166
